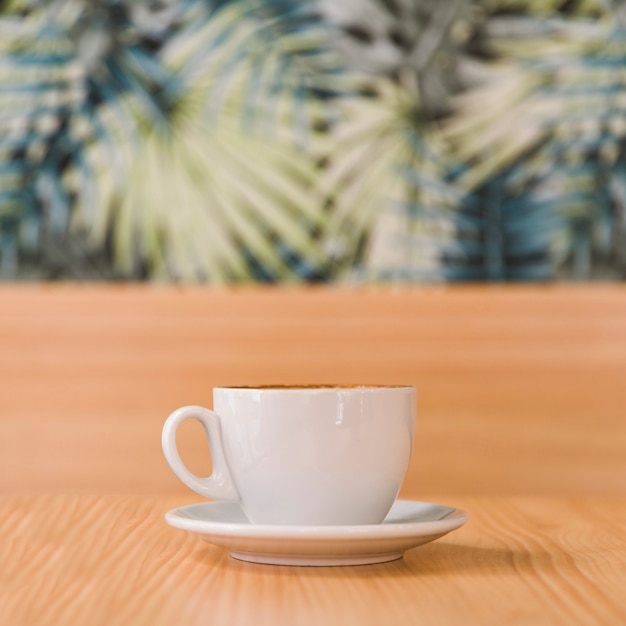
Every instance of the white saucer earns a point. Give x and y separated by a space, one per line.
408 524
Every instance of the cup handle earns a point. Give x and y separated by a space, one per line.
219 485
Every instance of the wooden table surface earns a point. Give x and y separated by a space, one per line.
521 422
111 561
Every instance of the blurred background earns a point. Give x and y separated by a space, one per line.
183 145
229 141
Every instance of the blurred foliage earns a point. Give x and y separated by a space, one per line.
541 143
285 140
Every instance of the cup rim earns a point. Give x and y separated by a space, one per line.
314 387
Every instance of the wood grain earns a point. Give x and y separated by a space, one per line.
521 389
111 560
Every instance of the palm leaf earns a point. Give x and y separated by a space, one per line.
193 102
249 211
392 206
539 143
39 87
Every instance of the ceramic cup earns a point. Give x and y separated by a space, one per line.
303 455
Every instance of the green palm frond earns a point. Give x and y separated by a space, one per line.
220 190
202 202
58 64
213 107
386 185
226 141
40 86
539 142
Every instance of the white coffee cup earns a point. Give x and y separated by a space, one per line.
303 455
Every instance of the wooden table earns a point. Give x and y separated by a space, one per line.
111 561
521 422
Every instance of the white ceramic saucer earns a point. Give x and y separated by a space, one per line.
408 524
